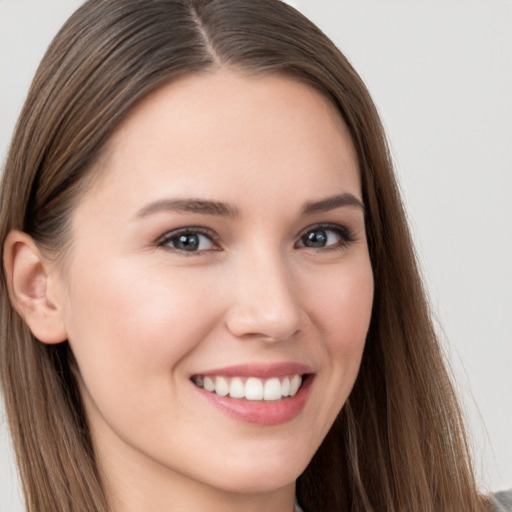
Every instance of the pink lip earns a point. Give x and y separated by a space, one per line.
261 413
262 371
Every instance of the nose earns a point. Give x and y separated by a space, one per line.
266 302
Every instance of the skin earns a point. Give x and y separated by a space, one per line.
142 317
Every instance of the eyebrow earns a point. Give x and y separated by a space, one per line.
205 207
331 203
200 206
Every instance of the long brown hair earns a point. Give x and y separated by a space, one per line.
398 443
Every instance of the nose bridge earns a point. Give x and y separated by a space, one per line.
265 302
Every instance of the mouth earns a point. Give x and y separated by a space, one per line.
257 394
251 388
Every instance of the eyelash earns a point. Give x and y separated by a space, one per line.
346 236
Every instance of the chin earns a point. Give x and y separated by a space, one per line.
261 476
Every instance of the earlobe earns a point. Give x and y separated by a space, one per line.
29 281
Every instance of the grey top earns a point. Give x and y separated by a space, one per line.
502 501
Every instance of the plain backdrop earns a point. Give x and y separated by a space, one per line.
440 73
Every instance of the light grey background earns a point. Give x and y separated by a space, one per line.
441 75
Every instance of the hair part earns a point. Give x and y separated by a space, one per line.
398 443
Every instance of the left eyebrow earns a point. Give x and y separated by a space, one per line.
200 206
331 203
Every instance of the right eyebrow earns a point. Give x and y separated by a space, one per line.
331 203
200 206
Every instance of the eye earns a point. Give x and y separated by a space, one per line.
188 240
326 237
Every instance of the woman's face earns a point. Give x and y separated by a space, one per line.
222 246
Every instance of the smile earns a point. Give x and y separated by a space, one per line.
250 388
260 394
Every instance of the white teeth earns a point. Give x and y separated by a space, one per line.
208 384
252 389
236 388
285 386
295 384
221 386
272 390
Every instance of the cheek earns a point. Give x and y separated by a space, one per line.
128 322
343 307
340 305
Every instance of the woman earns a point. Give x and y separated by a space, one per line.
177 330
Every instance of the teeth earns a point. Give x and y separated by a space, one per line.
251 388
295 384
208 384
221 386
254 389
272 390
236 388
285 386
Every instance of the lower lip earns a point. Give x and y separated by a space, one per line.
262 412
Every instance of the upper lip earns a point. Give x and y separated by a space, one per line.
261 370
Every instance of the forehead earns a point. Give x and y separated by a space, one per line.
210 129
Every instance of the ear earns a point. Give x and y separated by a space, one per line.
32 287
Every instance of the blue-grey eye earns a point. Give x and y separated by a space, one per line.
324 236
189 241
316 238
